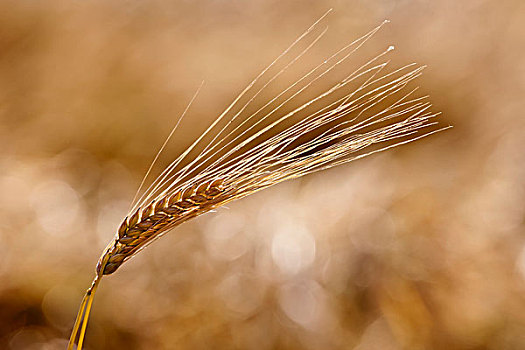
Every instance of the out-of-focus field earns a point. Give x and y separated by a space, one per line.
422 247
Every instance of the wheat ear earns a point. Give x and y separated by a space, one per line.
249 152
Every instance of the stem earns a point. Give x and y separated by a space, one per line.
83 315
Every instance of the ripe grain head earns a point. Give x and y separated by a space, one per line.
247 149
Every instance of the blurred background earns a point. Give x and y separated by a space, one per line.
421 247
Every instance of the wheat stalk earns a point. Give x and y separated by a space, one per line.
251 151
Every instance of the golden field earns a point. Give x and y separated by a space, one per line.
420 247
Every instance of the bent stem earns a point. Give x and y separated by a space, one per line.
83 315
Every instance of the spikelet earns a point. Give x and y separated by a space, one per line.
365 112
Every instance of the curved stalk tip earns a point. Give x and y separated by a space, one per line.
79 329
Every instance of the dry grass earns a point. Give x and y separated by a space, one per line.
253 145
